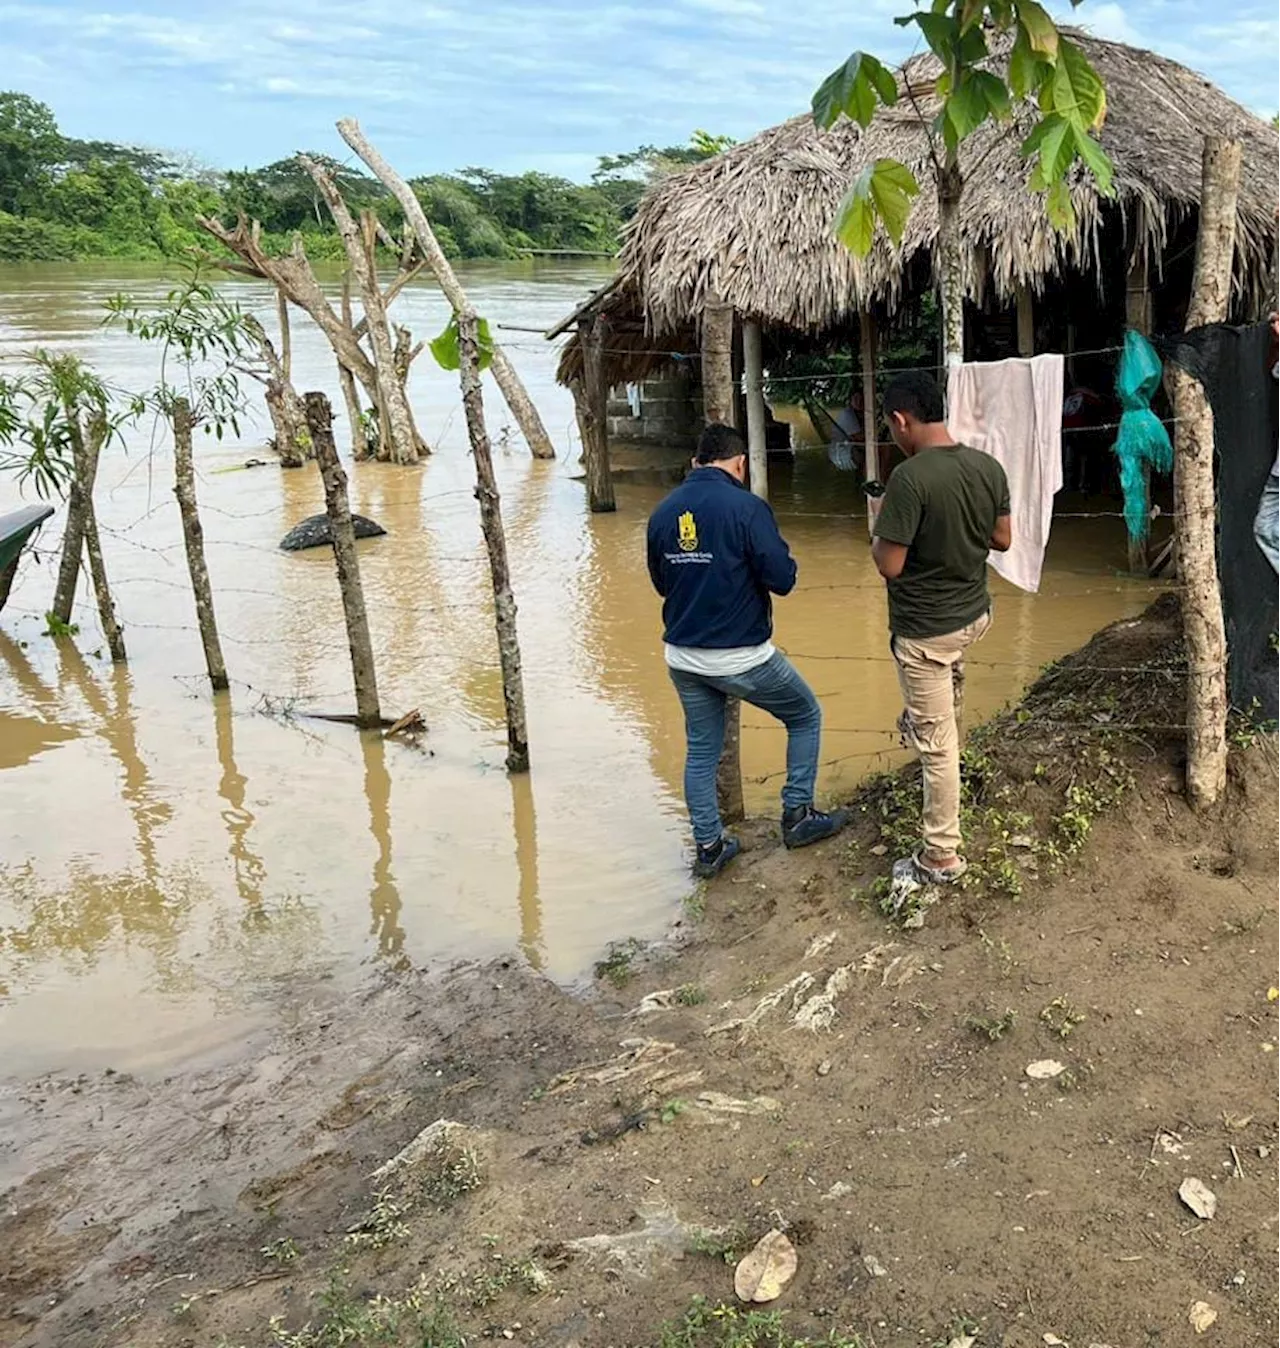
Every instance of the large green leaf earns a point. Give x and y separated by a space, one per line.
1075 91
967 107
854 89
995 93
1058 205
882 191
447 351
1041 31
1026 70
1095 160
1053 140
942 33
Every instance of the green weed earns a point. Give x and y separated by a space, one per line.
993 1025
1061 1017
711 1325
616 965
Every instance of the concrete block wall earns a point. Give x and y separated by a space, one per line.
670 412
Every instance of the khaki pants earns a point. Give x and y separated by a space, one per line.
931 673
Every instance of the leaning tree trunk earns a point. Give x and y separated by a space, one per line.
363 673
950 266
292 275
400 436
79 507
184 488
504 604
111 628
513 390
284 406
1193 484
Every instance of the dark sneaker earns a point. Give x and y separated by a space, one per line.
804 825
712 860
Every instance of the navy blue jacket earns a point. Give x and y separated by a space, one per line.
715 554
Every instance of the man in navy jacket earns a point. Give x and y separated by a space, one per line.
715 556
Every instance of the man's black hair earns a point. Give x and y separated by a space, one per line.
719 442
916 394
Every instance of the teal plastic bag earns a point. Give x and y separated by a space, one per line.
1141 440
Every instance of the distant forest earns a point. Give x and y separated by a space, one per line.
67 199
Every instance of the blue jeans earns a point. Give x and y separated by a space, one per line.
775 687
1266 527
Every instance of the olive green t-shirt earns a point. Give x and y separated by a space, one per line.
942 505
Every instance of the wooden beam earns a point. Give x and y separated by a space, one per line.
1026 322
757 450
870 417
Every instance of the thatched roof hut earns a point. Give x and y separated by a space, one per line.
754 224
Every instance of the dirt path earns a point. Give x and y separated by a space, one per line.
809 1066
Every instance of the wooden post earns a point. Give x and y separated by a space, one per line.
592 404
513 389
718 401
363 674
1137 315
98 574
504 604
719 404
286 335
1026 322
1193 481
184 488
79 507
870 415
757 448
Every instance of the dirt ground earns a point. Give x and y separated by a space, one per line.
809 1065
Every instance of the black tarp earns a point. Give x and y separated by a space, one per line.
1234 367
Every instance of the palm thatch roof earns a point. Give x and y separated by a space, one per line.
754 224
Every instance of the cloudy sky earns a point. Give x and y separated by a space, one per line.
511 84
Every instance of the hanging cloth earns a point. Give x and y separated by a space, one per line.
1233 364
1012 410
1142 442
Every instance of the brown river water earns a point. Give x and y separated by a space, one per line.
177 869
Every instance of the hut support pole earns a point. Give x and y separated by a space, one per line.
1193 481
757 451
1026 322
870 417
592 401
1137 315
720 405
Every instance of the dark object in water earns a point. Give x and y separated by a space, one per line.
16 530
314 532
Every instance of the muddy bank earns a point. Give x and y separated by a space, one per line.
809 1064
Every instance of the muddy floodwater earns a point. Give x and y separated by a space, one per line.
177 869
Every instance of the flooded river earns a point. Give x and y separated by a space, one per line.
177 869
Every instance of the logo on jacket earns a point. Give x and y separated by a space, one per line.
688 532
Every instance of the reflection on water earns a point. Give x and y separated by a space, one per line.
174 859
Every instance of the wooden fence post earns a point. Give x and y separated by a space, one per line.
184 488
363 674
504 604
870 414
1193 483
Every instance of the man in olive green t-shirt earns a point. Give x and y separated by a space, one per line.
943 510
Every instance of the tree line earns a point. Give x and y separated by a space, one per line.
65 199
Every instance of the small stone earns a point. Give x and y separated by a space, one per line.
1021 840
824 1067
1201 1316
879 850
1199 1198
1045 1069
874 1266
